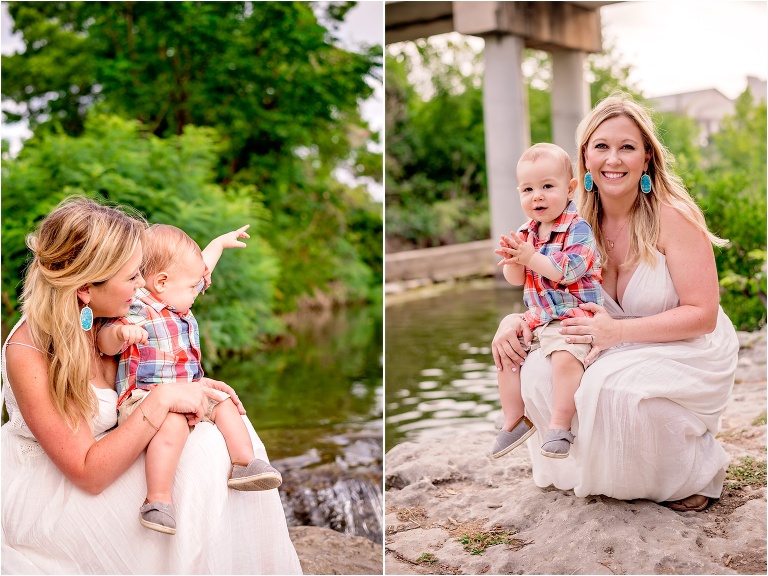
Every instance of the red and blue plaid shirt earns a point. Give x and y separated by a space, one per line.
172 353
572 248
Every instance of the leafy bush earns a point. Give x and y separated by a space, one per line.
731 189
167 180
273 81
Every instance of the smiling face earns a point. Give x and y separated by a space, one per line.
616 157
545 189
112 298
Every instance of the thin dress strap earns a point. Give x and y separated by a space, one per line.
4 380
27 345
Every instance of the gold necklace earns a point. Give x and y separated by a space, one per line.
611 243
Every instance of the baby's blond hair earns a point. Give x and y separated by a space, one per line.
165 246
547 149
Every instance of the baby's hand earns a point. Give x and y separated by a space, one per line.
131 334
504 250
230 239
507 249
523 251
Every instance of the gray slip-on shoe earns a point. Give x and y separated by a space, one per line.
506 441
258 475
159 516
557 443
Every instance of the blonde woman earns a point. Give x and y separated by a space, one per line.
663 353
71 484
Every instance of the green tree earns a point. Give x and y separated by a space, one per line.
167 180
436 185
732 190
268 76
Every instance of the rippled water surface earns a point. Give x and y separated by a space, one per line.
318 408
439 370
309 402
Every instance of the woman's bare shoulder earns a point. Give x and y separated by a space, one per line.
24 358
676 230
22 335
671 216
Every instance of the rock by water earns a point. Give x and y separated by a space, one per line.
440 491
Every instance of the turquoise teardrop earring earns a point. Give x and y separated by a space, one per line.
86 318
645 183
588 183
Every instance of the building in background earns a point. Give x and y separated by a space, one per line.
707 107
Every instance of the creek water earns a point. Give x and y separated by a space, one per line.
440 374
318 407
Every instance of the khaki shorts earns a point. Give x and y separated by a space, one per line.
130 404
549 339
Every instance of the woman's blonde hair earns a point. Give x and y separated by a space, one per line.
80 242
667 188
165 246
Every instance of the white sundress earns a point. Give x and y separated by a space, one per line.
646 414
49 526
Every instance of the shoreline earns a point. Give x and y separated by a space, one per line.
437 495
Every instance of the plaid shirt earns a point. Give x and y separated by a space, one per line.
173 351
572 249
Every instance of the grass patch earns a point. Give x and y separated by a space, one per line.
426 558
760 420
748 472
477 542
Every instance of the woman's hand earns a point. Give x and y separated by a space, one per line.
508 352
601 330
218 385
188 398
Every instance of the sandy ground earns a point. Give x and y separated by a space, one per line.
437 494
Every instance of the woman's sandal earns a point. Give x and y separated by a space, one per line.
691 504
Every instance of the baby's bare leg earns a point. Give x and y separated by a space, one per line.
511 398
230 423
567 371
163 455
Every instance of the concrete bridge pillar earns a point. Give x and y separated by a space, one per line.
570 97
507 129
568 30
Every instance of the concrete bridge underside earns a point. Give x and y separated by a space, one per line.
568 30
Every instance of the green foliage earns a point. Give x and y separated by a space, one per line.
435 179
606 74
332 376
731 189
727 177
167 180
264 75
267 76
435 159
748 472
426 558
435 163
681 134
424 225
476 543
